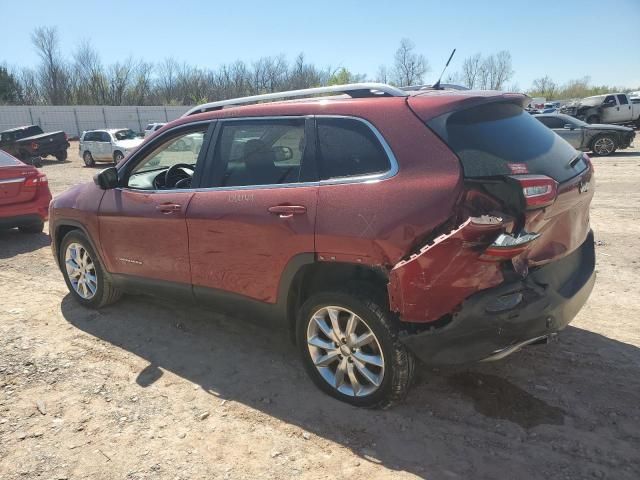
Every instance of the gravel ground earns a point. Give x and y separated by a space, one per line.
151 388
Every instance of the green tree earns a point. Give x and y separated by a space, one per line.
343 76
10 91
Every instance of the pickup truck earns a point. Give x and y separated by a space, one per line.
30 142
610 108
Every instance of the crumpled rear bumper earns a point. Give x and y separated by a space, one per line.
495 319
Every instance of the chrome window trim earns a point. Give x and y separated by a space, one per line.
370 178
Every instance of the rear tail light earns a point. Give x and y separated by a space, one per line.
34 146
66 137
36 181
507 246
587 159
538 190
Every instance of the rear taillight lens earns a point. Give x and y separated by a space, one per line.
34 146
507 246
66 137
538 190
36 181
587 159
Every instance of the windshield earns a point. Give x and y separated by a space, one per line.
592 101
127 134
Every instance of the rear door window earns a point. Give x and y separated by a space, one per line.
260 152
490 139
622 99
348 147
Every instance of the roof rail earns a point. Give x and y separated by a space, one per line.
355 90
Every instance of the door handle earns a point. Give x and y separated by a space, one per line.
168 207
288 211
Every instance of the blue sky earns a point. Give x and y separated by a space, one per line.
562 38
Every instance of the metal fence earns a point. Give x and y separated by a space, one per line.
75 119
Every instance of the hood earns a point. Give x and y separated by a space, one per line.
605 126
129 144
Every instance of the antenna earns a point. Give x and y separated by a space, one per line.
436 86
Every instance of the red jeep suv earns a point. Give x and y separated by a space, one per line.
379 225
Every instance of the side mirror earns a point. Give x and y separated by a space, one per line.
568 126
107 178
282 153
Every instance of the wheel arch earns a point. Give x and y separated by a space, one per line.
318 276
61 229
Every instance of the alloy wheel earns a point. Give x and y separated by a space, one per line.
604 146
81 271
345 351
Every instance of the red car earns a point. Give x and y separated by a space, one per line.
377 225
24 195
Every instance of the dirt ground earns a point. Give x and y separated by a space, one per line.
151 388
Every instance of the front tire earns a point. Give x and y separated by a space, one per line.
350 349
83 273
88 159
593 119
117 156
604 145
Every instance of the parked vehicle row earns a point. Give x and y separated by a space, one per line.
29 143
290 211
601 139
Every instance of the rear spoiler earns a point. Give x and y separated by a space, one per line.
427 107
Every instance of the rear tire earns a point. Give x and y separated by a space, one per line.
83 273
382 369
35 228
88 159
61 156
604 145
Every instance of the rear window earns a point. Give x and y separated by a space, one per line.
348 147
488 138
7 160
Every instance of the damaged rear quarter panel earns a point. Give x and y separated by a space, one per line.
434 281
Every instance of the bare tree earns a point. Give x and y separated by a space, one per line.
544 87
471 68
141 90
167 80
90 82
410 66
53 74
382 75
487 73
502 70
119 77
30 87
